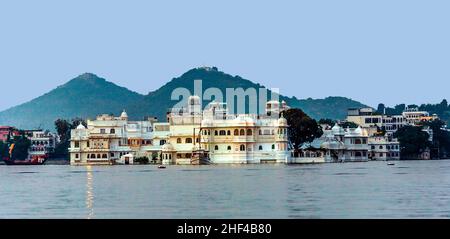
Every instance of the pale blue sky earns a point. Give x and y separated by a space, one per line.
371 51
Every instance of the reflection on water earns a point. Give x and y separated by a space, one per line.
414 189
89 192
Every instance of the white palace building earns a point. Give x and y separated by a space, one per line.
189 135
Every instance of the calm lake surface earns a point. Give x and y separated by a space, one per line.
410 189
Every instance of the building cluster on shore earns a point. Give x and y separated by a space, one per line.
195 136
42 143
213 135
190 136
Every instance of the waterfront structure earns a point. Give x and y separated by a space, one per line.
414 116
106 139
340 145
225 137
382 148
368 118
42 143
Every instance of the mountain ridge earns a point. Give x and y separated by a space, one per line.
88 95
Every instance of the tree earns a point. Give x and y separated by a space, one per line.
63 128
349 124
4 150
327 122
302 128
21 146
413 141
142 160
441 138
381 108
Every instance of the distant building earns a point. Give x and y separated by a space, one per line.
8 132
42 143
381 148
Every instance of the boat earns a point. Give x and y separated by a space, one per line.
161 166
390 164
31 161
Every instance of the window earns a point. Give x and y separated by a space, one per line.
77 156
92 156
77 144
260 147
273 146
216 147
260 132
358 154
242 132
102 131
104 156
179 141
222 132
215 132
242 147
112 131
357 141
381 147
188 140
229 132
249 132
229 148
112 155
197 140
236 132
162 142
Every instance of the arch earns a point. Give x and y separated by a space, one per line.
358 141
229 148
162 142
178 140
242 132
249 132
236 132
215 132
242 147
104 156
260 147
188 141
228 132
273 146
112 131
92 156
222 132
216 147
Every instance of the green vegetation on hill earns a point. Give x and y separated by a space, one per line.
89 95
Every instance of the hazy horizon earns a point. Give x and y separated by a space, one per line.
365 51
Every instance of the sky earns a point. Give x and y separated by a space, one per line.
371 51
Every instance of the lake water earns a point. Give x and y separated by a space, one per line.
410 189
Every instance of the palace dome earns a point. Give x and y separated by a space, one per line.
81 126
124 114
337 130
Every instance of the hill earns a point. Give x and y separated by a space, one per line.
89 95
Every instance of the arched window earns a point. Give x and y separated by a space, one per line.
229 148
222 132
236 132
260 147
178 140
242 147
162 142
249 132
242 132
104 156
216 147
273 146
357 141
215 132
92 156
188 140
229 132
98 156
112 131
